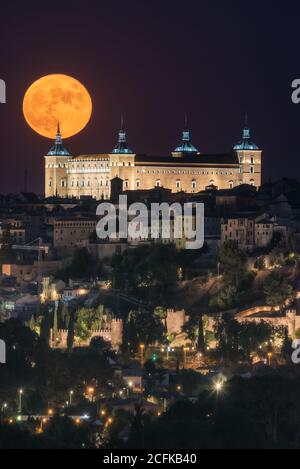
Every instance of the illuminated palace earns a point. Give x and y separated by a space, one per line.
186 169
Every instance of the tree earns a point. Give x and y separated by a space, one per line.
233 262
226 299
71 335
148 272
55 325
143 326
238 341
136 434
277 290
87 320
83 265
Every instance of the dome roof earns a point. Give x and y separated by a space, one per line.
58 149
246 143
186 146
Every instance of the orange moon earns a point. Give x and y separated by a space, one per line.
55 99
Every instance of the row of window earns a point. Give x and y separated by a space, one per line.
129 163
178 171
244 160
177 183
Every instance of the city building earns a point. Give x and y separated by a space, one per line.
70 232
186 169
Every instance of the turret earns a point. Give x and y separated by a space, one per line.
249 157
56 163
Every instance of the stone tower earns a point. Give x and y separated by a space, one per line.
122 160
250 159
116 333
56 164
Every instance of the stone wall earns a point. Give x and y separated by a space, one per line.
112 334
290 321
175 320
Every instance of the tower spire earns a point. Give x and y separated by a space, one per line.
122 142
246 143
185 121
186 146
58 149
58 139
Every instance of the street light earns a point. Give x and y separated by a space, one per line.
179 388
91 393
218 386
185 350
20 401
142 349
269 358
71 394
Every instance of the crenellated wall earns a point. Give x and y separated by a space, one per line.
113 334
175 321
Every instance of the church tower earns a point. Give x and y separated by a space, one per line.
56 163
122 160
250 159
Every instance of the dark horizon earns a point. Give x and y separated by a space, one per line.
154 63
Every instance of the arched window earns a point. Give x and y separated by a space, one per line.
194 184
126 183
157 183
251 169
178 184
230 184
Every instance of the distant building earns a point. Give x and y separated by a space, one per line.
69 232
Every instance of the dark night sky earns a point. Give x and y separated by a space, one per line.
154 61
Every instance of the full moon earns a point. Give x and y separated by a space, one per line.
57 99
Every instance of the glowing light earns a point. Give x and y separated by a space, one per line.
55 99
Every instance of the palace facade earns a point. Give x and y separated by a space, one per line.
186 169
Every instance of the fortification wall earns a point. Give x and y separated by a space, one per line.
113 334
